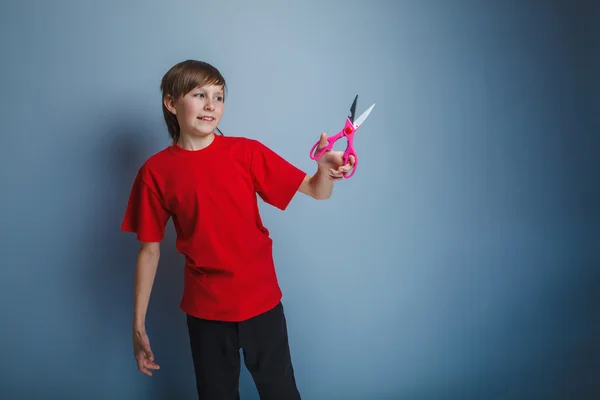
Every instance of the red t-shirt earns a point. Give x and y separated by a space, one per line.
211 195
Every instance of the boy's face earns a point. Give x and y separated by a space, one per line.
199 111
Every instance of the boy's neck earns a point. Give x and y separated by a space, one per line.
193 143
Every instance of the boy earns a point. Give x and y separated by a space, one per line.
208 184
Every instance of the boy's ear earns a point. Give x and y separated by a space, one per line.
169 103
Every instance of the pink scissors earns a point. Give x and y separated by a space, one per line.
348 132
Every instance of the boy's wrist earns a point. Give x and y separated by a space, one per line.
139 324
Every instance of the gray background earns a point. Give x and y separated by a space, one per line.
460 262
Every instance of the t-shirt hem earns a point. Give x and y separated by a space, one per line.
141 237
230 317
293 190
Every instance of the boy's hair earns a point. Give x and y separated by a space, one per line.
180 80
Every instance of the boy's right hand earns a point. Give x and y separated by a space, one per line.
143 353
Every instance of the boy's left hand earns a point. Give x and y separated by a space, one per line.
332 162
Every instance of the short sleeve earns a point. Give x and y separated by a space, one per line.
145 215
275 179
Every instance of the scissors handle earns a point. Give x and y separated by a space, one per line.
347 132
330 142
350 152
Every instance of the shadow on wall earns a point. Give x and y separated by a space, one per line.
123 149
100 293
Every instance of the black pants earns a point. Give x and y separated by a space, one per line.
264 342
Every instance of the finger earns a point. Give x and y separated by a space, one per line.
344 168
350 162
143 369
149 360
334 174
151 365
322 141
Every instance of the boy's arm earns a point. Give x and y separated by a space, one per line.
145 272
276 180
318 186
147 217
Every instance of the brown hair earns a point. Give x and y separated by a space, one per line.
180 80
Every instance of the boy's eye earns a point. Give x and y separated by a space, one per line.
200 95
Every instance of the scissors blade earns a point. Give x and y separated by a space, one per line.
363 116
353 110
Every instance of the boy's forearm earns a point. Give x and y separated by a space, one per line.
145 272
322 185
